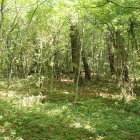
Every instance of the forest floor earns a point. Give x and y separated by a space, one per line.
100 112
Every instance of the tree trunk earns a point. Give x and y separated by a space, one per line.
111 60
86 67
75 48
123 55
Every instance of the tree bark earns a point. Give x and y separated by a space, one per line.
75 49
86 66
123 55
111 60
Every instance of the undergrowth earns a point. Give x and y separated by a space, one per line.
58 119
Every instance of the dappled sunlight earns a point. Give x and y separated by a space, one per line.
2 130
82 122
69 70
76 125
79 124
8 95
10 133
66 92
2 84
66 80
56 112
88 120
29 101
21 100
128 98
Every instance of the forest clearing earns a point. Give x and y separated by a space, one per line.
69 70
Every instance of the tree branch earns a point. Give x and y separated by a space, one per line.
134 7
110 1
1 10
34 13
98 6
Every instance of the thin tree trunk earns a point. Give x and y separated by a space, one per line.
2 14
111 59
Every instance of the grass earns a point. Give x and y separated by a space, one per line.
92 118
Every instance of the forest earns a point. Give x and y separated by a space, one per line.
69 70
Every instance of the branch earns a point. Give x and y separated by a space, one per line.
110 1
8 44
34 13
98 6
134 7
1 10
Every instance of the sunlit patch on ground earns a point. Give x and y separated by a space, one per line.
94 117
66 92
29 101
127 98
5 138
56 112
8 94
21 100
66 80
79 124
2 130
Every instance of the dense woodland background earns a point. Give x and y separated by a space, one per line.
73 55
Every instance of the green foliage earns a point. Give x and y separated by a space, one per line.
35 47
91 117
